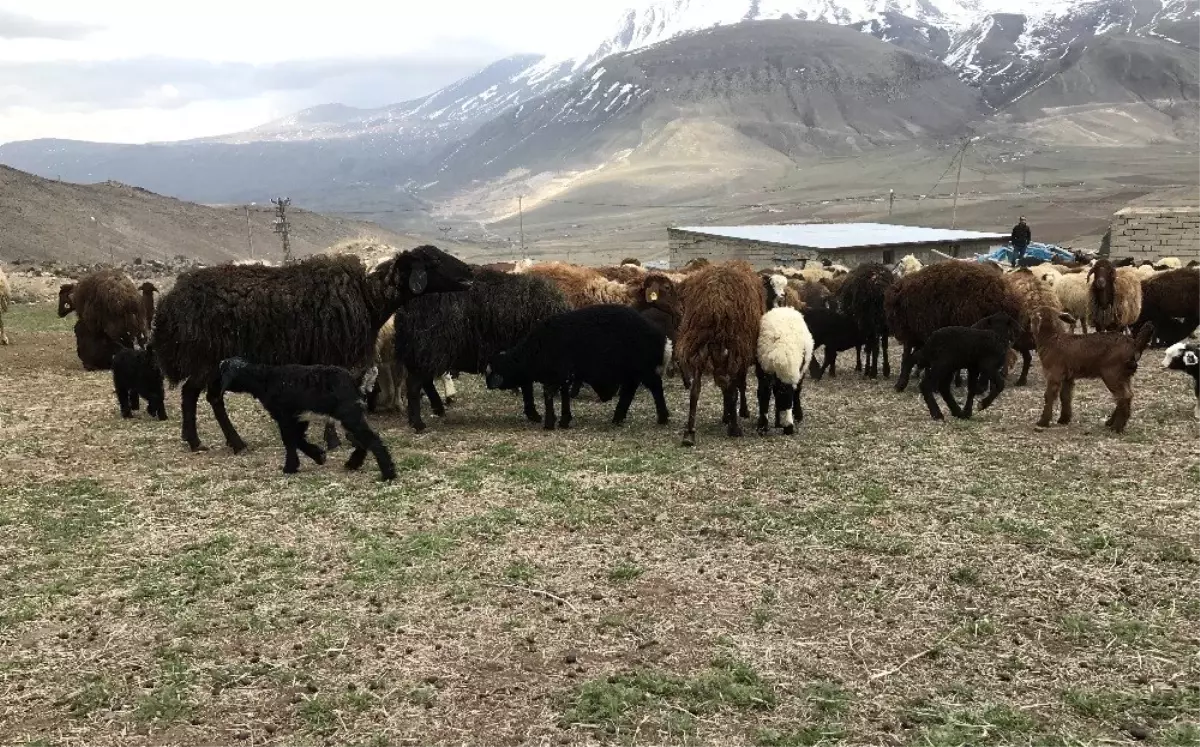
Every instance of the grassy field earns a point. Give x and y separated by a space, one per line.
877 579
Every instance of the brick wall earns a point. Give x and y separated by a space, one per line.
1155 232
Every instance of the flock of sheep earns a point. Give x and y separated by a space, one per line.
328 338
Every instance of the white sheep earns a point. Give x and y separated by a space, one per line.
785 348
5 302
907 265
1074 292
1168 263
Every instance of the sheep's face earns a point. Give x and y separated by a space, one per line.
1101 277
776 291
425 269
64 299
658 290
499 373
1182 356
228 372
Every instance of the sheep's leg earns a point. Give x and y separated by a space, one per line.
548 405
436 405
565 416
1065 397
365 440
412 387
189 396
797 408
331 436
291 434
123 401
906 366
309 449
927 390
531 413
996 379
883 345
948 394
654 383
1026 362
814 368
764 399
3 334
731 395
1122 391
743 407
972 387
449 387
624 400
135 402
958 378
576 387
858 366
216 400
689 433
1053 386
785 404
871 365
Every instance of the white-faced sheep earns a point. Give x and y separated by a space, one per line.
136 377
5 302
722 307
908 265
1115 296
1185 356
289 393
942 295
1110 357
982 349
610 348
784 351
464 331
321 310
108 304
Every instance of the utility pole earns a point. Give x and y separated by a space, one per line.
281 225
249 235
445 232
891 200
521 221
961 157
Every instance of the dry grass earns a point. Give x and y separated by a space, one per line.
878 579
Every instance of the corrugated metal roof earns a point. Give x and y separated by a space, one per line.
842 235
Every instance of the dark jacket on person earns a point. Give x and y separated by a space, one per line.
1021 235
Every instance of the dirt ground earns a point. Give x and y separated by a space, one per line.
877 579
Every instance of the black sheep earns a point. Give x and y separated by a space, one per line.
322 310
136 376
861 298
982 349
610 348
462 332
94 348
834 331
290 393
1185 356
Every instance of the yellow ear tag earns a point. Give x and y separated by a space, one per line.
653 296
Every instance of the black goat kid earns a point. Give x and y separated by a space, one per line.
136 377
291 393
982 349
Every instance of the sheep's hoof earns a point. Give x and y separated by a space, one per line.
387 478
689 439
548 426
789 430
963 415
533 416
319 457
566 424
937 416
1067 421
663 420
762 430
126 414
735 431
449 401
290 470
417 427
162 416
1042 424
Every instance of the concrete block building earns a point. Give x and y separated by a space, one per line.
1153 232
849 244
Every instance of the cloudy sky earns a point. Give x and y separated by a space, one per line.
138 71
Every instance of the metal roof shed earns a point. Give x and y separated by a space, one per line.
846 243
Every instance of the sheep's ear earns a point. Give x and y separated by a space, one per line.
418 278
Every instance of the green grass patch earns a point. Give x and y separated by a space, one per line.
625 572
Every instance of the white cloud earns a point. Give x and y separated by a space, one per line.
87 39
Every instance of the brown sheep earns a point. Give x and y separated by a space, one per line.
722 306
1115 297
108 303
944 294
1171 301
583 286
148 290
1034 295
698 263
1066 357
623 273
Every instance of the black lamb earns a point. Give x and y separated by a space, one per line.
291 393
136 376
463 332
836 332
611 348
982 349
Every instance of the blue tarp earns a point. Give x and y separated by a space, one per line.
1044 252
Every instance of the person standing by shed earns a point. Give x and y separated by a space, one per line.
1021 236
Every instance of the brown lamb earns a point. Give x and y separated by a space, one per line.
722 306
1065 357
944 294
1033 294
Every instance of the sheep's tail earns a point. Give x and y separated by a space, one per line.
1143 339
